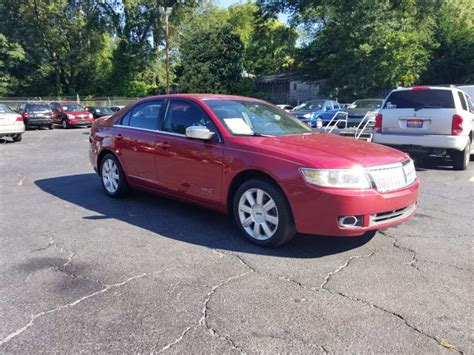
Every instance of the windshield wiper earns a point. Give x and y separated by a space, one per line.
425 106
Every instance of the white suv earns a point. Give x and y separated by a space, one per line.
426 120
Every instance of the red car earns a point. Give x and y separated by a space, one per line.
256 162
71 114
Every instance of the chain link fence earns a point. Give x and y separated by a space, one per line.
14 102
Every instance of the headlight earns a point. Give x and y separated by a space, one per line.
354 178
307 115
70 116
90 115
410 172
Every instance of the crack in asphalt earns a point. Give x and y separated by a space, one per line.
373 305
203 321
35 316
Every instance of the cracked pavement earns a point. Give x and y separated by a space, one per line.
81 272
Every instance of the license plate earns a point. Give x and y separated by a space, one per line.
414 123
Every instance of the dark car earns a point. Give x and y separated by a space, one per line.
36 114
359 108
99 111
71 114
117 108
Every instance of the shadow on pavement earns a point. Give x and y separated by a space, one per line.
184 222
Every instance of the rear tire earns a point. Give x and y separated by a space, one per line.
51 126
263 214
112 176
461 159
17 138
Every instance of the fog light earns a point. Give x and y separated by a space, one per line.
350 221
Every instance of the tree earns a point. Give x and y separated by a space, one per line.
211 60
453 59
11 55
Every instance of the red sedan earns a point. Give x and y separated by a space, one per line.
256 162
70 114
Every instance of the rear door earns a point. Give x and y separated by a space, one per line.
137 141
419 112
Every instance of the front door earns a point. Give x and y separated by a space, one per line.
189 167
136 142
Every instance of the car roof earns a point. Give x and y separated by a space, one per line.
201 97
428 87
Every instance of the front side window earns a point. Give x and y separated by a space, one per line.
183 114
417 99
144 115
251 118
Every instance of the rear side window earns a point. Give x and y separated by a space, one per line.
463 101
420 98
144 115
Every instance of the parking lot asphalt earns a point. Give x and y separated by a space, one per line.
81 272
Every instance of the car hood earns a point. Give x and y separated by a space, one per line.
322 150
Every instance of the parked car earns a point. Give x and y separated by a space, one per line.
36 114
359 109
116 108
71 114
11 123
428 120
310 111
247 157
99 111
287 108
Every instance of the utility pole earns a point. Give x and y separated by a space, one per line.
165 12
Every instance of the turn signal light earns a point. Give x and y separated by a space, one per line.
378 123
19 118
456 126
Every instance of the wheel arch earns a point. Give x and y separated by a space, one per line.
246 175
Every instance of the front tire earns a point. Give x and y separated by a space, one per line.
263 214
112 176
461 159
17 138
64 124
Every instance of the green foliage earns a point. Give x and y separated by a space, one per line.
453 59
11 54
211 60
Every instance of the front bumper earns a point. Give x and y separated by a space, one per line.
405 141
85 122
317 210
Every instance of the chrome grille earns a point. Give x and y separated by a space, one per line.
392 177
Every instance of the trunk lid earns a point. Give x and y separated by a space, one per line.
7 119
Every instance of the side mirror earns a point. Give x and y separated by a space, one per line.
199 132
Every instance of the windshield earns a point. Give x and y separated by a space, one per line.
370 104
72 108
5 109
39 107
248 117
420 98
311 105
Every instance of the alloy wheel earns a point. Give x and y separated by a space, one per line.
258 214
110 176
